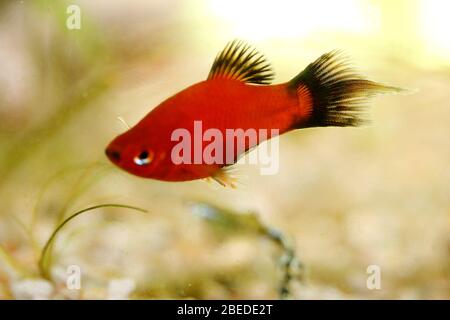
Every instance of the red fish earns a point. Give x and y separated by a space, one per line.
238 95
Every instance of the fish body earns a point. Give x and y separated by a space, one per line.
238 95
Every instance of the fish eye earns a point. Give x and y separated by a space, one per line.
143 158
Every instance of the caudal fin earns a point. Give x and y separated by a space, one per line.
339 94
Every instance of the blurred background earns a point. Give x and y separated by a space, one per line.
345 198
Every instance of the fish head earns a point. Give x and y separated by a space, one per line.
133 154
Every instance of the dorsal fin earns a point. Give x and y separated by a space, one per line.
240 61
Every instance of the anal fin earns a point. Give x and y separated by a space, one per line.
225 178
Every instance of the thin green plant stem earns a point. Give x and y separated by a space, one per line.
34 214
79 187
49 182
45 259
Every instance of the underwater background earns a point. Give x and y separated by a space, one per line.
343 200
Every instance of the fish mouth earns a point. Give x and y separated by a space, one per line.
113 154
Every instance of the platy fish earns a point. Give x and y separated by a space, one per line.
238 95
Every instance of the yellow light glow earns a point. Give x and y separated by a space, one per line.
436 24
257 19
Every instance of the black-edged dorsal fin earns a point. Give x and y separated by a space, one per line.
240 61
